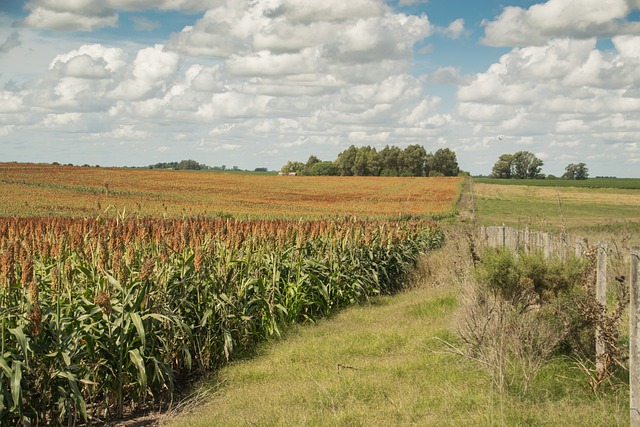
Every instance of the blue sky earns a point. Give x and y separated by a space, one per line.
258 83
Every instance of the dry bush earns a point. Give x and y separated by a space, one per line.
511 343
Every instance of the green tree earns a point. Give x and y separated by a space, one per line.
502 168
312 161
390 158
188 165
414 159
576 171
525 165
324 169
346 160
374 162
444 162
293 167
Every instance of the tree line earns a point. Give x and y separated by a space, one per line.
390 161
525 165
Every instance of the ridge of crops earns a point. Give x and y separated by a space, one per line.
101 316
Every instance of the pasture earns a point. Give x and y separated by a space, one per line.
548 208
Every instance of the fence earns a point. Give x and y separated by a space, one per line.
561 245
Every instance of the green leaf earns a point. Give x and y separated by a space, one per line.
77 396
22 340
5 367
137 360
137 321
16 378
114 282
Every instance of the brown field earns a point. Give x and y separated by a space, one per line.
37 189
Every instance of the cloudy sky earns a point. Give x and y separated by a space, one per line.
255 83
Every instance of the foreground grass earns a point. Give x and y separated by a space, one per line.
383 364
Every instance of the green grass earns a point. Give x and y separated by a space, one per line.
382 364
619 183
553 209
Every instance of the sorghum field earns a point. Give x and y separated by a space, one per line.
116 286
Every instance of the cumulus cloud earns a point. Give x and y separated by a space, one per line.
568 85
89 15
454 30
561 18
150 71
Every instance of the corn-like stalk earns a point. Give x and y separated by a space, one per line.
99 316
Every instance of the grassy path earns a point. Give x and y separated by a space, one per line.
379 365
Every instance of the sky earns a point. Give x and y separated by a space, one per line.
257 83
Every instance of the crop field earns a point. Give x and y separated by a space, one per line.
118 285
46 190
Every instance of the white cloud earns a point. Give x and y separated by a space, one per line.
151 70
560 18
455 30
6 130
69 20
89 15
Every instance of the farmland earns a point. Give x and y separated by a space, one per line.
615 207
46 190
116 286
396 360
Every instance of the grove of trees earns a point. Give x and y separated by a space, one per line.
390 161
576 171
521 165
525 165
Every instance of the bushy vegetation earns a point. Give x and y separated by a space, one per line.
525 309
99 316
414 160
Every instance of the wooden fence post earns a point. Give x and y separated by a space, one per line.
581 244
634 338
548 247
601 298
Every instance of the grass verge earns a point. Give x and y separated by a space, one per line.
382 364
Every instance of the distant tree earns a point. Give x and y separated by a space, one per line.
576 171
324 168
346 161
525 165
189 165
414 160
367 162
521 165
443 162
391 160
260 169
312 161
374 162
502 168
293 167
